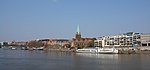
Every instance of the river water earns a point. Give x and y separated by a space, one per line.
46 60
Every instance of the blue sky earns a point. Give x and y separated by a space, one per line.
23 20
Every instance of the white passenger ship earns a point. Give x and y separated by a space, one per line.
86 50
98 50
106 50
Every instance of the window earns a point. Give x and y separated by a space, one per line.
144 44
148 44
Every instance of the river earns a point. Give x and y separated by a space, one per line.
48 60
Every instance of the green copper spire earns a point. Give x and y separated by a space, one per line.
78 29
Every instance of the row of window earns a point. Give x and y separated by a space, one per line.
145 44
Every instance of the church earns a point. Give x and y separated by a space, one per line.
79 42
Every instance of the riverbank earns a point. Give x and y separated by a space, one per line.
122 50
127 50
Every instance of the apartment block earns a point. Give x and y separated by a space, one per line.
130 39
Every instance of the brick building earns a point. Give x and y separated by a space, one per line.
79 42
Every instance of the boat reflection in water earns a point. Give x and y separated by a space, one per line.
103 56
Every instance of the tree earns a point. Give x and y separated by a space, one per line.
35 44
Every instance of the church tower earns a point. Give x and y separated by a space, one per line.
78 34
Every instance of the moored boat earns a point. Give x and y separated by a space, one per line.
106 50
13 48
98 50
39 48
86 50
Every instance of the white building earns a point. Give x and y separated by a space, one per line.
129 39
145 40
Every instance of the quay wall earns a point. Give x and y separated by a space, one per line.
61 50
134 50
126 50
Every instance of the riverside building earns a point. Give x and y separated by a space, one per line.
145 40
130 39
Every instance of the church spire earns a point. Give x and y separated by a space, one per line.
78 29
78 34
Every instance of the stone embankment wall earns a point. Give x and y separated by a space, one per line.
134 50
61 50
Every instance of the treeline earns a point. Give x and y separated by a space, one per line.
35 44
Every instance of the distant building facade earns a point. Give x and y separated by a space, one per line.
18 43
5 43
145 39
129 39
79 42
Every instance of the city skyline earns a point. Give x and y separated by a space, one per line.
36 19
